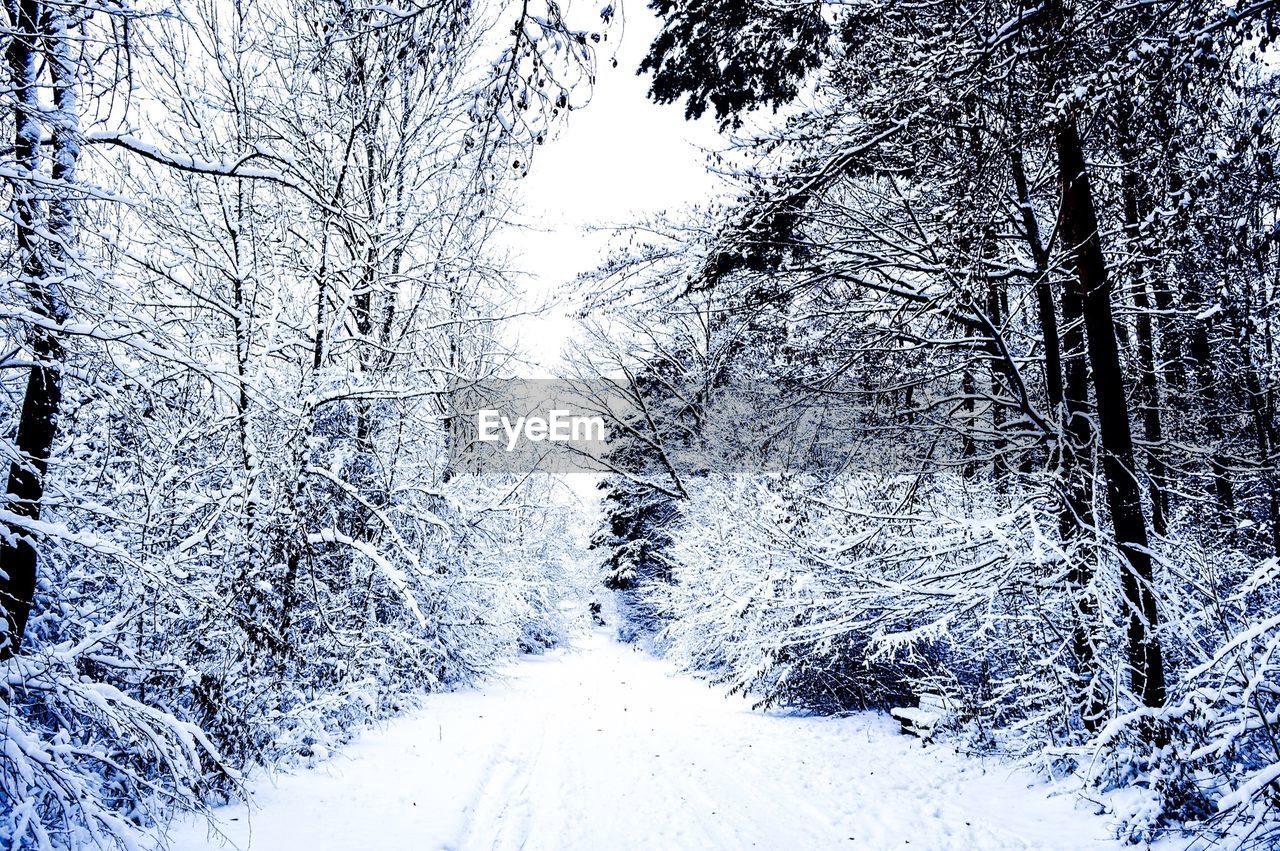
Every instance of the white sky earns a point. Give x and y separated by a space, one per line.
620 158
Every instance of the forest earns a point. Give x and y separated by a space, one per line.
963 395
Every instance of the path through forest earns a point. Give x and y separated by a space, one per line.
602 746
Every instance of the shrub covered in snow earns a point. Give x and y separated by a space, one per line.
868 590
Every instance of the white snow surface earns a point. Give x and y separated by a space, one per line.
603 746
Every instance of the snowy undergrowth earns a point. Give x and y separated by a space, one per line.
870 590
107 735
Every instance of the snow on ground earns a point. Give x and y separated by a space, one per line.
602 746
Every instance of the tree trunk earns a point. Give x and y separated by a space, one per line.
1149 397
43 262
1079 225
1068 399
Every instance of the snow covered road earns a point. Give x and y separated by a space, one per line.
603 747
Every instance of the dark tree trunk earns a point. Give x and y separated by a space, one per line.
1044 291
1076 510
1091 288
37 426
997 308
42 401
1207 390
1148 376
968 446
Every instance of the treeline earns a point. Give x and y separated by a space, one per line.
1009 273
248 259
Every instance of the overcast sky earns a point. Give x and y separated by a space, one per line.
616 160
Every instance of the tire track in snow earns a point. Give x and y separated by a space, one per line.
501 811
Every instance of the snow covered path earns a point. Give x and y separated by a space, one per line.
603 747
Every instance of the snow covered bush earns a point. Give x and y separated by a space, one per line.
85 764
868 590
1214 765
861 591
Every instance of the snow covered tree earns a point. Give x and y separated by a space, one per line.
251 257
995 243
